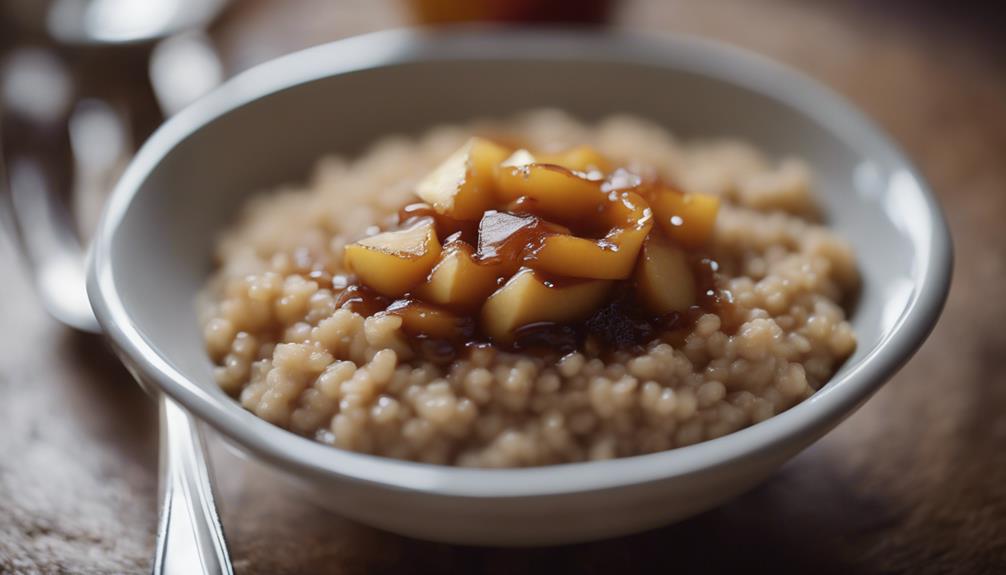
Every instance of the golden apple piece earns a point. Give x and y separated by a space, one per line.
580 159
611 257
529 298
458 281
688 219
392 263
462 186
518 159
425 320
664 279
555 192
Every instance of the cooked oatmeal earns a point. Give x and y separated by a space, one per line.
298 349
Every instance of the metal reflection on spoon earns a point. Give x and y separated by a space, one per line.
126 21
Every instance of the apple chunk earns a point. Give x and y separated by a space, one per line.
528 297
664 279
688 219
458 281
392 263
462 186
580 159
611 257
556 192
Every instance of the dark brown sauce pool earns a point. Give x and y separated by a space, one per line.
624 324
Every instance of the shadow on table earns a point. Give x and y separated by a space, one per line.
802 521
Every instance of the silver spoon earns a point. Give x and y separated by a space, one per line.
190 537
110 22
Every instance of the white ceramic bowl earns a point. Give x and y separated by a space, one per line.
153 252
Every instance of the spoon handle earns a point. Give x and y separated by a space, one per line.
190 536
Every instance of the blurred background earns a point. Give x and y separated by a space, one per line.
915 482
84 82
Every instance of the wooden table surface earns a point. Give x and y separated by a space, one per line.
915 482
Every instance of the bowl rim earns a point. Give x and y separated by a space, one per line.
825 408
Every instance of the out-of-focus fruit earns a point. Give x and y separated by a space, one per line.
688 219
529 297
441 11
458 281
664 279
611 257
462 186
422 319
559 193
392 263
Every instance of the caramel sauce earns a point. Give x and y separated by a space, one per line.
456 328
446 227
360 299
623 323
522 206
320 276
505 236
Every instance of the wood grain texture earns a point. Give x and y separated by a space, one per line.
915 482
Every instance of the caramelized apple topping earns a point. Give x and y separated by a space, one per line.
539 250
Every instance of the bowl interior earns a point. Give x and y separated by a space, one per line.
269 126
